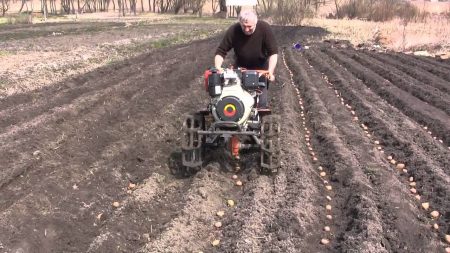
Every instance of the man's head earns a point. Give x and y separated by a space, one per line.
248 20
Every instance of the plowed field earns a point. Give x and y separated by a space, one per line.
366 158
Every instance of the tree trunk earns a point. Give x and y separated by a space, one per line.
21 7
125 7
213 6
223 5
133 6
338 11
3 8
52 9
44 9
72 6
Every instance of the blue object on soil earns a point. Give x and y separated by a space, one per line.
297 46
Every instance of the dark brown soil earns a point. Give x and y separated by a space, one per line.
69 151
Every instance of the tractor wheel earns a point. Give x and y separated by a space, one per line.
192 143
270 144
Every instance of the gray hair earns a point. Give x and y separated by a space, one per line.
247 16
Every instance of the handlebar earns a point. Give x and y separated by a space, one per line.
260 71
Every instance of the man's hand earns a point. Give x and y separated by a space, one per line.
219 70
218 60
272 63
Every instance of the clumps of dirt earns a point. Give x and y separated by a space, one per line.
193 230
151 187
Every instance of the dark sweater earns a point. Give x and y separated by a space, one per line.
252 51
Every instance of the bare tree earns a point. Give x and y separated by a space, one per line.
176 5
114 5
53 7
223 5
24 3
121 4
5 6
292 11
214 5
337 4
124 7
44 9
197 6
376 10
267 6
66 6
133 6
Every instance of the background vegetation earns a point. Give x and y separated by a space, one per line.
281 11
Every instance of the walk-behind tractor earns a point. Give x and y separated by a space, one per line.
233 121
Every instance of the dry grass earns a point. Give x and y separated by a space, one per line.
431 7
393 34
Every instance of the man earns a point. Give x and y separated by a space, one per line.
254 46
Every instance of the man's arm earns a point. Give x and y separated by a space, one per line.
272 64
224 47
272 50
218 60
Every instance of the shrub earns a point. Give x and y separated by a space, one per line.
292 11
20 19
383 10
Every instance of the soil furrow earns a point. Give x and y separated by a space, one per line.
427 162
354 165
422 91
92 108
434 67
193 230
95 108
27 106
172 201
135 113
130 169
370 164
271 215
64 112
440 63
90 164
378 114
423 113
418 73
352 204
31 105
245 228
298 222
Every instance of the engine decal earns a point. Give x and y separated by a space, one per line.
229 110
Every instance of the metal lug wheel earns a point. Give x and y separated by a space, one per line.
192 143
270 144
